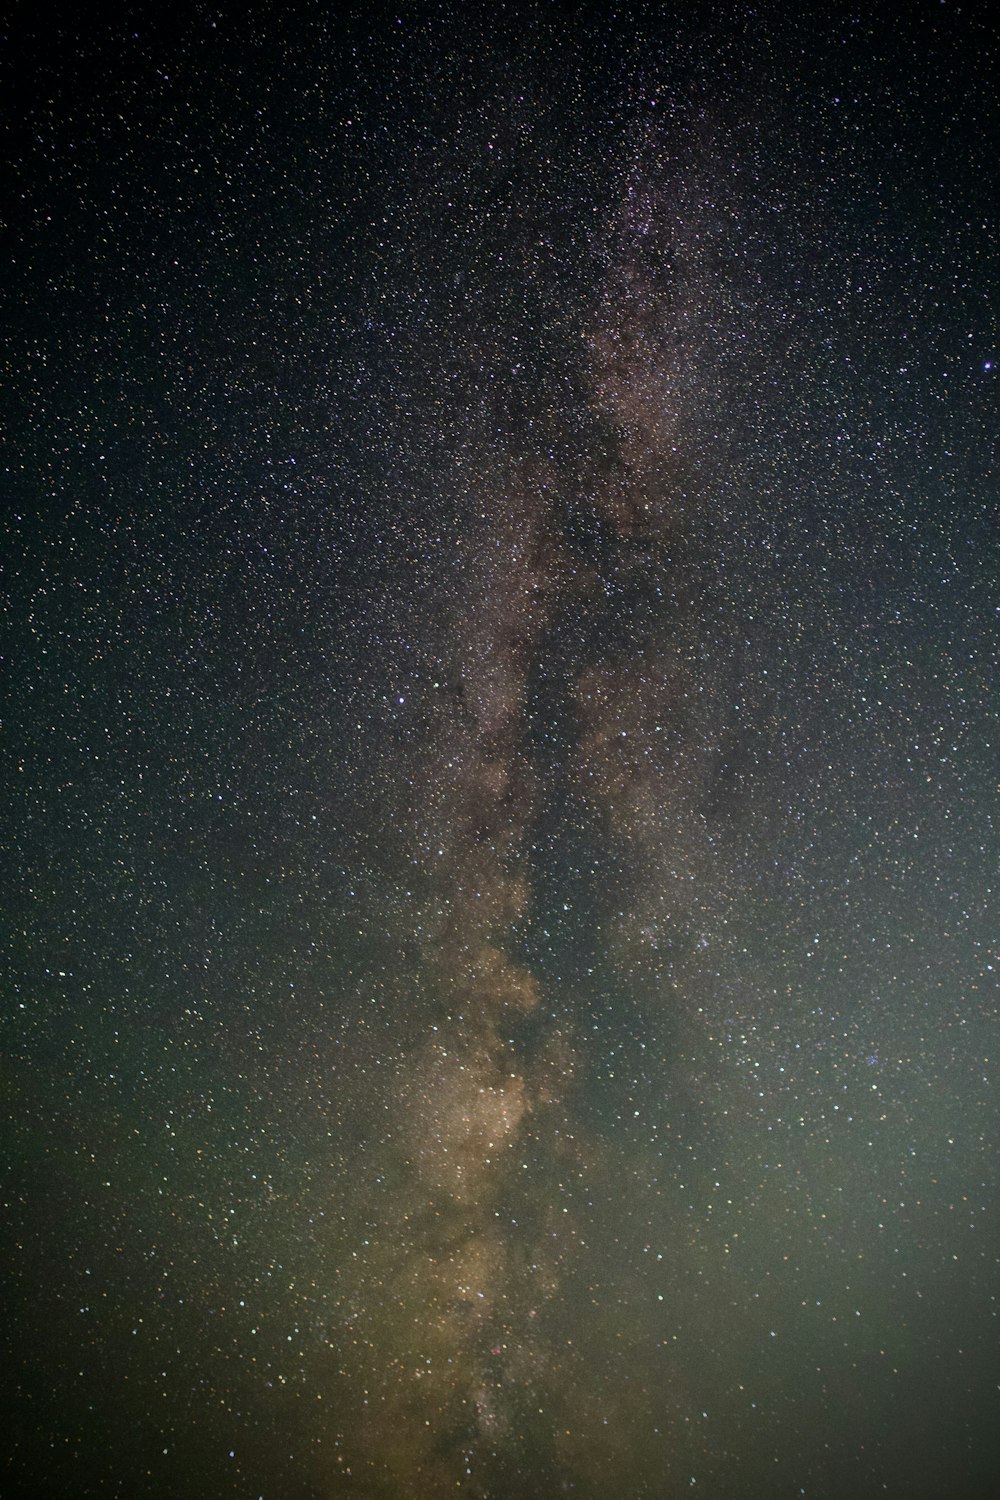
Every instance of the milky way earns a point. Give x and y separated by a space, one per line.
501 907
494 1081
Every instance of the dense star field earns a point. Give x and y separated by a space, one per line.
500 634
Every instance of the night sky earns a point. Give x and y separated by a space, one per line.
499 627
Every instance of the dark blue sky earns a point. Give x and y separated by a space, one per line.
499 619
